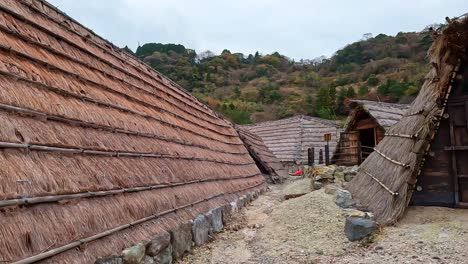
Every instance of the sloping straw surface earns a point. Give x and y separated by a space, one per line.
412 135
260 152
81 116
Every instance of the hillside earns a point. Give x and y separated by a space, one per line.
255 87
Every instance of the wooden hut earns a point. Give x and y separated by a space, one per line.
97 150
289 139
269 165
422 158
365 128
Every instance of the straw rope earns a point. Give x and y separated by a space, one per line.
392 160
415 136
61 91
94 68
40 115
179 91
381 184
79 242
61 197
110 153
414 113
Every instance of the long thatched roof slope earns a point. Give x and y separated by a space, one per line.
97 150
290 138
263 156
386 114
386 179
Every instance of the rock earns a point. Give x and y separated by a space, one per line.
324 172
165 257
234 206
343 199
201 228
340 176
134 255
217 220
317 185
158 244
109 260
349 176
181 238
149 260
331 189
226 213
358 228
356 213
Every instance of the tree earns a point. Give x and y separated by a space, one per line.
363 90
372 80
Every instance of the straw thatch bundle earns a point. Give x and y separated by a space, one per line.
290 138
266 161
385 114
387 177
97 149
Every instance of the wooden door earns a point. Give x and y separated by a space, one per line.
349 153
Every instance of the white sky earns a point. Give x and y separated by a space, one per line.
295 28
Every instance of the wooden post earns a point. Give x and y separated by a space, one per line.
327 154
310 156
359 153
320 156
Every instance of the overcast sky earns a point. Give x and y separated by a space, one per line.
296 28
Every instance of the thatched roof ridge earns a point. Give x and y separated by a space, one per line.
263 156
93 140
386 114
386 179
290 138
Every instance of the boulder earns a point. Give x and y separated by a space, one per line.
134 255
148 260
217 220
331 189
344 199
201 229
158 244
340 176
226 213
359 228
348 212
109 260
234 206
316 185
165 256
348 177
181 238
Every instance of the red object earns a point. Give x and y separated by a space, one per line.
298 173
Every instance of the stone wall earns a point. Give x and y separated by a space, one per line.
174 244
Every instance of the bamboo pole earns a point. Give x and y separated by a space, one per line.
57 198
392 160
381 184
40 115
402 135
77 243
112 153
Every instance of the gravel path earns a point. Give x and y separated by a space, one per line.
309 229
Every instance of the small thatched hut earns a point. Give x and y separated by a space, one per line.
289 139
269 165
365 128
422 158
97 150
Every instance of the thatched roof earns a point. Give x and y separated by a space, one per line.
386 179
263 156
386 114
290 138
98 150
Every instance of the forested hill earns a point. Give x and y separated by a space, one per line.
258 87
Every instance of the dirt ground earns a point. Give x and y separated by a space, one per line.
309 229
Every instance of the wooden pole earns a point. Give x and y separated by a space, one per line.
310 156
327 154
320 156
